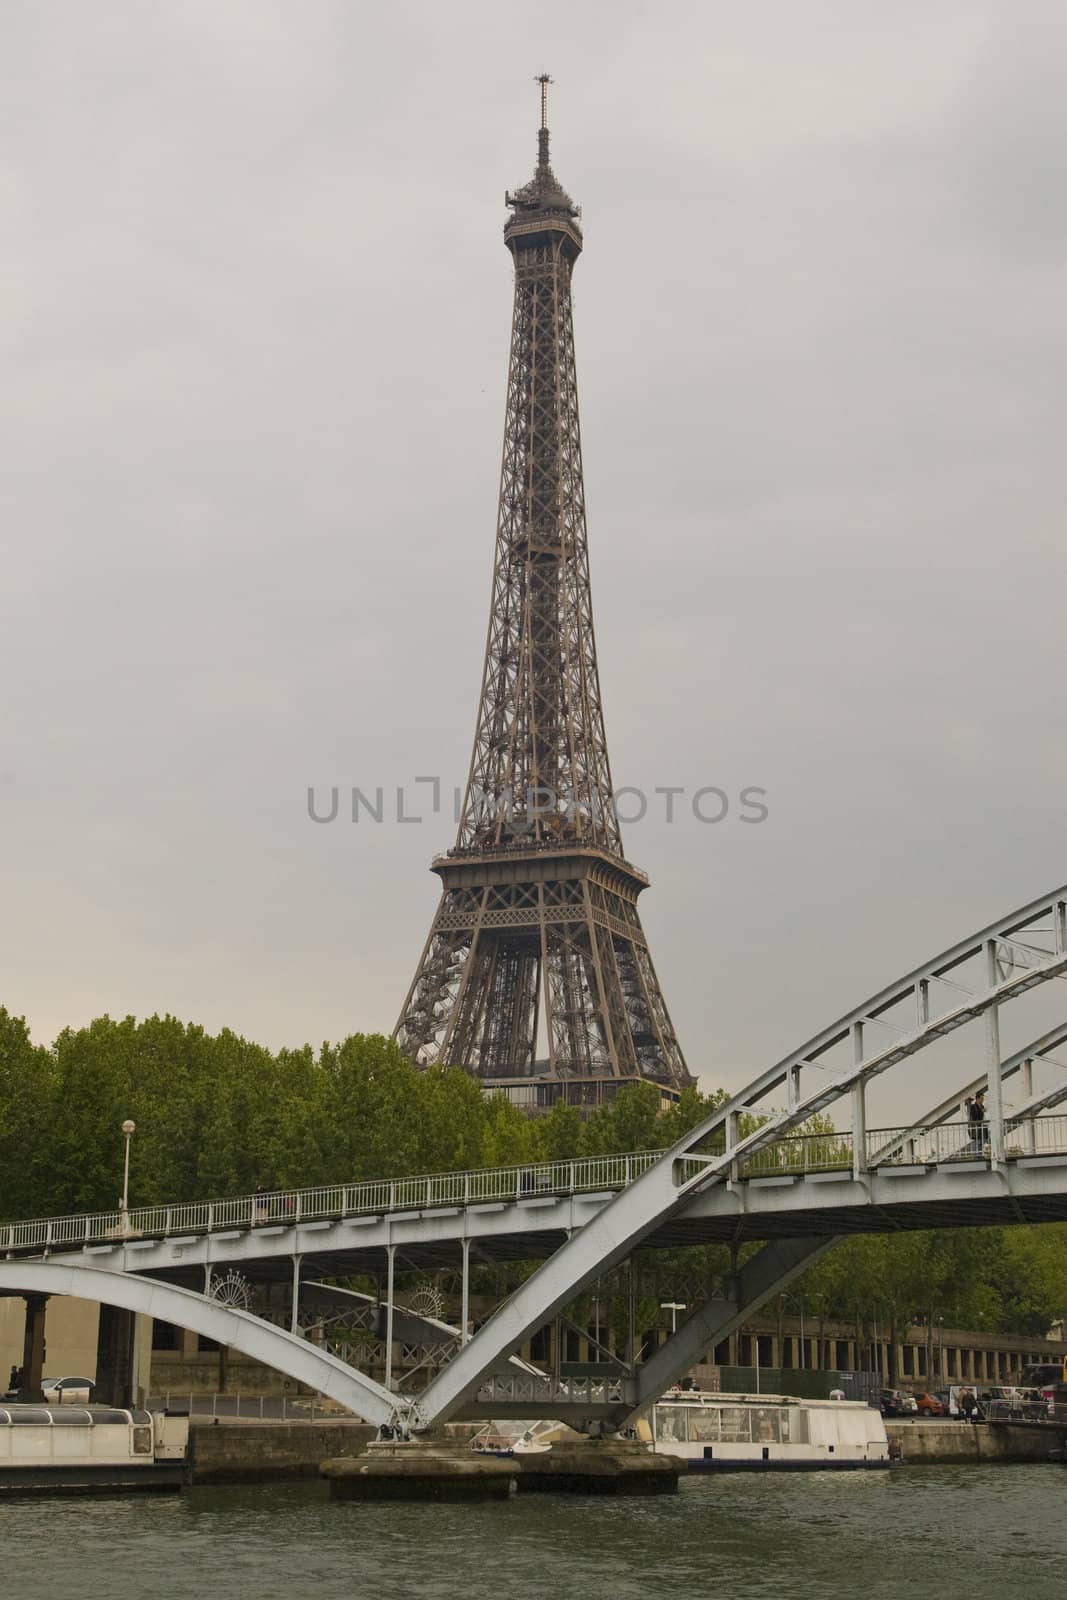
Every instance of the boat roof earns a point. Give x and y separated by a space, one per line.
722 1397
26 1414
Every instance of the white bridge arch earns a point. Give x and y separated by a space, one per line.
275 1347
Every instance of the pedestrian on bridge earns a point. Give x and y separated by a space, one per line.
976 1120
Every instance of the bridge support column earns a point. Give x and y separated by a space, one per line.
733 1125
859 1107
775 1266
465 1308
114 1356
294 1316
33 1347
391 1254
1027 1125
992 1036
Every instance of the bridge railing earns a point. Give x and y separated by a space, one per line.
795 1154
611 1390
938 1145
591 1174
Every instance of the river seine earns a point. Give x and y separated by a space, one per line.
925 1531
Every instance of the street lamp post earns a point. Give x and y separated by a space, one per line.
128 1130
673 1306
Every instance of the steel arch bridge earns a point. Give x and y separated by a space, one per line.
748 1171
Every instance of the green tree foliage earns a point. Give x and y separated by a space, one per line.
1004 1280
26 1095
219 1114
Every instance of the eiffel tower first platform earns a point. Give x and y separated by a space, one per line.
536 976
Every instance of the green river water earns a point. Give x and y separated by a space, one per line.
943 1532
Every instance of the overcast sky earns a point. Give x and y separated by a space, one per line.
255 311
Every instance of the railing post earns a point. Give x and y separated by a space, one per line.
922 1002
859 1107
732 1124
992 1040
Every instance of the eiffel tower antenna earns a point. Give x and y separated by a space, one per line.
537 942
542 133
544 80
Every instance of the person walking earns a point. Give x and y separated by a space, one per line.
968 1404
976 1122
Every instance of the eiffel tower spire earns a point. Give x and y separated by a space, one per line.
536 965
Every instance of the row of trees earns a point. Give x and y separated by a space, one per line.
218 1115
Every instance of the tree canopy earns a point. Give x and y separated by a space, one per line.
219 1115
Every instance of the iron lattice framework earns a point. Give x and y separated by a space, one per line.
537 935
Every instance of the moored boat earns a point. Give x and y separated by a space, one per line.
765 1432
90 1449
514 1439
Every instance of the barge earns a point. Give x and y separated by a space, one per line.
90 1450
765 1432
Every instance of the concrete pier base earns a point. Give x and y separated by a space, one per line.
440 1470
599 1466
411 1470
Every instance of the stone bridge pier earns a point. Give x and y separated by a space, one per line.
33 1347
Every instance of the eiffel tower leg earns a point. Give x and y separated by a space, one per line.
606 1023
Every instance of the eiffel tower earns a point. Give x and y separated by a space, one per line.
536 975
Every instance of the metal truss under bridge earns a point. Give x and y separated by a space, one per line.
751 1171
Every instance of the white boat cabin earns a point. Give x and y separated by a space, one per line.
65 1436
741 1431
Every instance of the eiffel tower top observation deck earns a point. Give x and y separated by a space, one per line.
536 966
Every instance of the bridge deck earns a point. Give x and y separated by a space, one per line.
802 1186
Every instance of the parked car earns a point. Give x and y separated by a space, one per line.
895 1403
67 1391
931 1405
